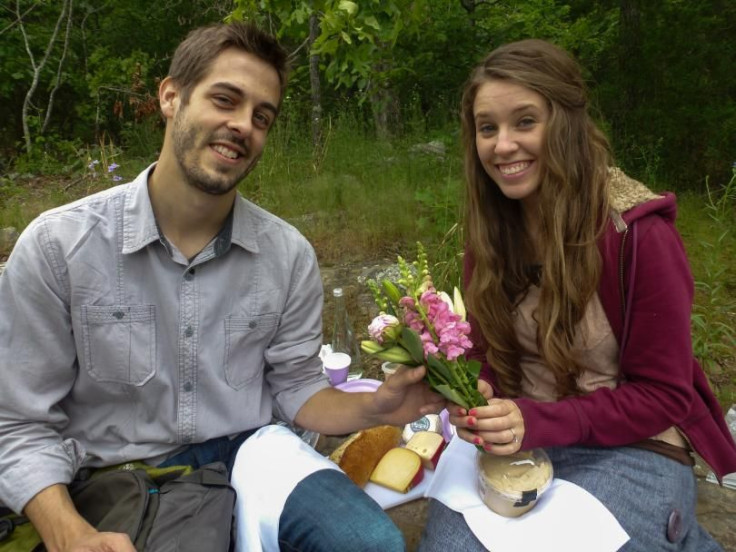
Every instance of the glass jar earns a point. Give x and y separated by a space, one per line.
343 338
511 485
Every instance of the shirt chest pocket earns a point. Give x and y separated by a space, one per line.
246 340
119 343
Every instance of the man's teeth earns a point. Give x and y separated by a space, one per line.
227 152
514 168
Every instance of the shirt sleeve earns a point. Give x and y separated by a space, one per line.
293 355
37 370
656 390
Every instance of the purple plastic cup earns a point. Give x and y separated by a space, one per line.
336 367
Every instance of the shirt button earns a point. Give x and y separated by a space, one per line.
189 275
189 332
188 386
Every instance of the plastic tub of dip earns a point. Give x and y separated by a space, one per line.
511 485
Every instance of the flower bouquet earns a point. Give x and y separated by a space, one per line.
419 325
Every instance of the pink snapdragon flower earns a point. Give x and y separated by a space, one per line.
447 333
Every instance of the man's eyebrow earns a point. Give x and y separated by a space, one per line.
240 94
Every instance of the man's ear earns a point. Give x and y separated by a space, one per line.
168 97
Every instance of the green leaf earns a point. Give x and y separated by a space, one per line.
452 395
435 364
350 7
473 368
411 342
371 21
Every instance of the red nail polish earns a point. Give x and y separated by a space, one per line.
477 441
471 421
487 448
472 412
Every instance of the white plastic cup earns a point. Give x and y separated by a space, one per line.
389 368
336 367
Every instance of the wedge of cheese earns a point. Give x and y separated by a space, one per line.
400 470
429 446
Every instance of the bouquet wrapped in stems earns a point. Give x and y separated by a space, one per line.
419 325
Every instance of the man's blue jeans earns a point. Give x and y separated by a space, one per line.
325 512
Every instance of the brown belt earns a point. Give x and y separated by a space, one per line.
678 454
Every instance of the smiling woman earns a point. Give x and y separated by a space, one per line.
579 296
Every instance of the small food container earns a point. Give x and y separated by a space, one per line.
511 485
389 368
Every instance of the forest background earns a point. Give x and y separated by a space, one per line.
365 158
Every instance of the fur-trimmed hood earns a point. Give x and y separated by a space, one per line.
631 200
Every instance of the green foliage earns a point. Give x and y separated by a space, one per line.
714 335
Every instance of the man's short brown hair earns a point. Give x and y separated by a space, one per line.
194 56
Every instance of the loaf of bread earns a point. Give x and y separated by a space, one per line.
359 454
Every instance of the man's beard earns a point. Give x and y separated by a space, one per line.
209 182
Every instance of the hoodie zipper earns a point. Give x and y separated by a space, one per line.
622 287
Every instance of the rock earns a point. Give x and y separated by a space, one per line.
435 147
8 237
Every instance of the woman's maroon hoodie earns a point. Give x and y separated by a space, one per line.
661 385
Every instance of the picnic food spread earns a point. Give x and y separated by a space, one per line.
375 455
359 454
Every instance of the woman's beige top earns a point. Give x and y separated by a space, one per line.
595 345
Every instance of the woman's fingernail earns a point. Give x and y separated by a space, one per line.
487 447
471 421
477 441
472 412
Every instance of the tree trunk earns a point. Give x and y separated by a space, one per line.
50 106
383 100
36 68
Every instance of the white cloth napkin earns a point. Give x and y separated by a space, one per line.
566 517
268 466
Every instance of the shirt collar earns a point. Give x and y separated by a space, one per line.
140 228
245 224
139 223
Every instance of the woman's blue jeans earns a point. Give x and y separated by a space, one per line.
326 512
651 496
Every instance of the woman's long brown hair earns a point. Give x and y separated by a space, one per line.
572 204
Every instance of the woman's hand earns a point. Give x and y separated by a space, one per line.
498 428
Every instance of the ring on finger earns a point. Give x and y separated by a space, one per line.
515 439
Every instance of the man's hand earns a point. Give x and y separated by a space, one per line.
404 397
62 529
102 542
